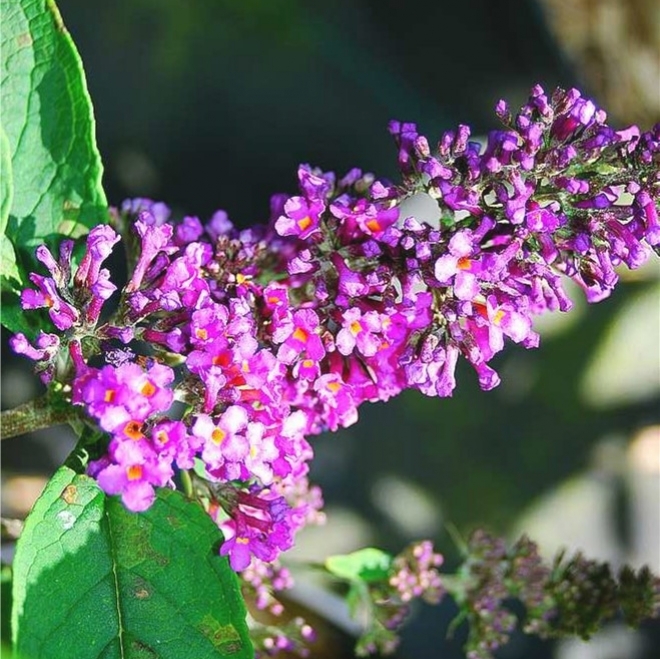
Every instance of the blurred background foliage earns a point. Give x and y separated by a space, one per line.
214 103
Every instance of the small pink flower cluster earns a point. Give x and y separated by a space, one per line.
229 348
417 573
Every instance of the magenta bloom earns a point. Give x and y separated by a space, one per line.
360 330
301 218
170 440
124 395
100 242
261 525
61 313
339 409
134 477
154 238
224 445
372 219
457 268
303 338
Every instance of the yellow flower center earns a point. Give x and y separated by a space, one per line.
217 436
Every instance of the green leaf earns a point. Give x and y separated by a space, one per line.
6 180
5 602
49 124
8 269
92 580
15 319
369 565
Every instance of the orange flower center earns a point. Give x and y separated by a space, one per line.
217 436
373 225
304 222
300 335
148 389
133 430
162 437
464 263
134 472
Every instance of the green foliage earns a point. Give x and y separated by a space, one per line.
51 168
368 565
93 580
8 269
5 602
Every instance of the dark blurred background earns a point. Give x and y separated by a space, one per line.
214 103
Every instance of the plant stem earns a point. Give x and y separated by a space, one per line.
186 482
33 415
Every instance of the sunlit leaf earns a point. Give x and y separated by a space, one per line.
92 580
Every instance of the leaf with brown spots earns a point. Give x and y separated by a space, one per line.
93 580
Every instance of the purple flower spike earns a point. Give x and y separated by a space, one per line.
44 255
647 210
44 352
154 239
100 242
61 313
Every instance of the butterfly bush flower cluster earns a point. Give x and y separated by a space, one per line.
227 349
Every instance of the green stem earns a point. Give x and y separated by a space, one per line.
186 482
34 415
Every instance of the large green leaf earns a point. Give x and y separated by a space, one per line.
92 580
8 271
49 124
6 180
50 165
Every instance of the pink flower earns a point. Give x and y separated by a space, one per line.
303 338
360 330
224 445
301 218
457 268
154 238
62 314
100 242
133 472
